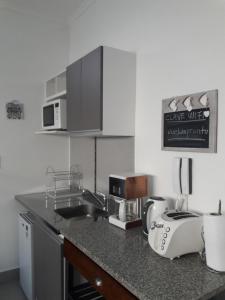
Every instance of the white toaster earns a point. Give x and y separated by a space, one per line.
176 233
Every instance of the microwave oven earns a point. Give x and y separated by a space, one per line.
54 115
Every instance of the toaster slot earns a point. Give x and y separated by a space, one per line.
184 217
176 214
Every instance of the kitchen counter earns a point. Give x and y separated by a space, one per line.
128 258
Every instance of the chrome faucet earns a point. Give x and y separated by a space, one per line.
105 200
98 197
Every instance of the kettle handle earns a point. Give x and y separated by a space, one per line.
145 214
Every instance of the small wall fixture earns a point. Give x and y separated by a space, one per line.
15 110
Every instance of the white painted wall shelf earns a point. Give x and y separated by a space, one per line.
61 94
93 134
53 132
56 87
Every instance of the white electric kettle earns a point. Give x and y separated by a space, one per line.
153 208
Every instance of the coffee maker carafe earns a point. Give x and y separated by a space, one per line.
128 191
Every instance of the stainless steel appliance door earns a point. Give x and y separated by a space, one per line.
48 263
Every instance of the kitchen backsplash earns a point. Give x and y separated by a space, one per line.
114 155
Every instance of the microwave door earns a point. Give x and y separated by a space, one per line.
48 116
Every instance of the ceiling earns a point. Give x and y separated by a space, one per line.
53 10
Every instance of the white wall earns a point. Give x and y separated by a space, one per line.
114 155
82 153
180 48
31 51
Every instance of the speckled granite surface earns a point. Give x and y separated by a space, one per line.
127 257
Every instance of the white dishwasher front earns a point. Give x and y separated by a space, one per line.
25 255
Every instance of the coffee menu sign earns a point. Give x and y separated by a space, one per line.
189 123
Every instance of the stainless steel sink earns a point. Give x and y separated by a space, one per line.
83 210
86 205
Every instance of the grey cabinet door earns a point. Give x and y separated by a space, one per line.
84 92
74 117
91 90
48 266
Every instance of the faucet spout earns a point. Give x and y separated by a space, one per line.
99 198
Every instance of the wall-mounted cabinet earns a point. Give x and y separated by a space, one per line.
56 87
101 89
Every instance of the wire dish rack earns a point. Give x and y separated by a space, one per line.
63 184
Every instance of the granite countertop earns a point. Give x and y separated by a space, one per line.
127 256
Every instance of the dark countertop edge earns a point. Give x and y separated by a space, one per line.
213 293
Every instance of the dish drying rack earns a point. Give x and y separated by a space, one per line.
63 184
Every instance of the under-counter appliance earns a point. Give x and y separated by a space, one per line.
49 262
128 191
176 233
54 115
26 255
152 209
42 265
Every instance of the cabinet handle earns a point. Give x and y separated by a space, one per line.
98 282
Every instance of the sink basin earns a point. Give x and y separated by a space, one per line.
82 210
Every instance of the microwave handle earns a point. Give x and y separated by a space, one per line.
145 215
